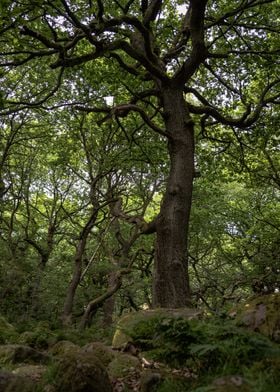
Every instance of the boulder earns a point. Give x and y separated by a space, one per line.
144 322
149 380
6 378
10 382
32 372
234 383
40 337
81 372
64 347
16 353
260 314
104 353
122 365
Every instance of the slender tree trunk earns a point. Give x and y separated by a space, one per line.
109 304
76 277
44 252
35 295
77 272
170 277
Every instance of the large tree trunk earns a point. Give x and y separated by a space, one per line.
170 280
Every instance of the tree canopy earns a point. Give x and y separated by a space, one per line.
139 159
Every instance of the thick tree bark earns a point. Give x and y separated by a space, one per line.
170 277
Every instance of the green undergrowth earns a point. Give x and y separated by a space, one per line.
211 348
206 349
8 333
41 335
172 384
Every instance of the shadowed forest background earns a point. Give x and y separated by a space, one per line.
139 165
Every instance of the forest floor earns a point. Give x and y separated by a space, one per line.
171 350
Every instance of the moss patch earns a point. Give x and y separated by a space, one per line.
209 349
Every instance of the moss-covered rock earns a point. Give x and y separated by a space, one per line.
234 383
143 323
104 353
261 314
64 347
6 378
10 382
149 381
15 353
8 333
81 372
40 338
123 363
32 372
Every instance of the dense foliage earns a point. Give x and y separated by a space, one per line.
84 166
207 350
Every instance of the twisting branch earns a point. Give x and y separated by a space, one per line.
95 304
199 51
40 37
138 220
122 111
132 70
217 115
151 11
21 105
100 243
247 119
244 5
220 79
181 39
